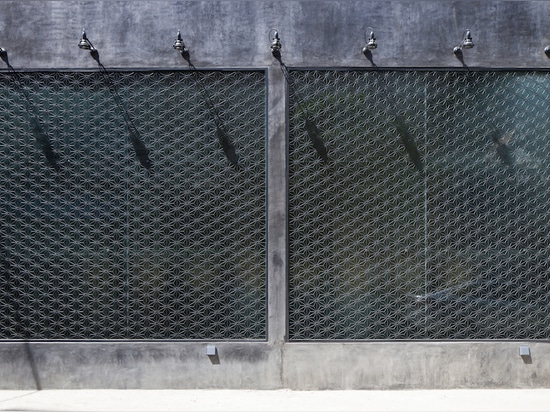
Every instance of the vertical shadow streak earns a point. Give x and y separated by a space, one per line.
224 140
140 149
20 328
311 128
42 140
409 144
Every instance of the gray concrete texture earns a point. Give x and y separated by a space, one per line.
234 34
313 33
260 365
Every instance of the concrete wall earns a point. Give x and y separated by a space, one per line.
419 33
234 34
260 365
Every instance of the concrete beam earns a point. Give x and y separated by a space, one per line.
125 365
260 365
324 33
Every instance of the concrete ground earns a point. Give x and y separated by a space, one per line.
275 400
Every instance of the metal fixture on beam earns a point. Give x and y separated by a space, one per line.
179 44
275 43
84 43
467 43
370 41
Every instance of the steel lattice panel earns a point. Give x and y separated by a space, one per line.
419 205
133 205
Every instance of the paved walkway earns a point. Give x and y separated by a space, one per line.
276 400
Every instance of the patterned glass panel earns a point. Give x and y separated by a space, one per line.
418 205
133 205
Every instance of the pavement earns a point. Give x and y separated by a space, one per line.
276 400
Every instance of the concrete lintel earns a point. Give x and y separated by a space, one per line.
324 33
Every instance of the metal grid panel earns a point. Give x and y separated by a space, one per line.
133 205
418 205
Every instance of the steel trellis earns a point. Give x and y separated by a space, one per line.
100 248
427 216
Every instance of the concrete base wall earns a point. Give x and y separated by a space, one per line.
433 365
251 365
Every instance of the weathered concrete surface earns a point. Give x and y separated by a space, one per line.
406 365
259 365
151 365
276 204
323 33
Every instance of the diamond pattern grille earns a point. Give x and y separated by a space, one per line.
419 205
133 205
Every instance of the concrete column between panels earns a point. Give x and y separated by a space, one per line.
276 204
